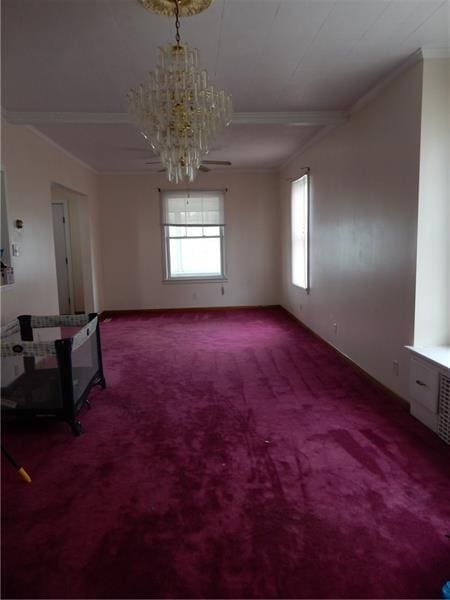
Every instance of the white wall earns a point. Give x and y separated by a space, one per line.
432 321
364 185
31 165
131 243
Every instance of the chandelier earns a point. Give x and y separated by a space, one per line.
177 110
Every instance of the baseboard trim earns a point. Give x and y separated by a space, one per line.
401 401
108 314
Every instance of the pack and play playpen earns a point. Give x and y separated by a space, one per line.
49 365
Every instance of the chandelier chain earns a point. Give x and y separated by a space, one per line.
177 22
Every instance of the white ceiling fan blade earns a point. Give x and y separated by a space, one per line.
136 149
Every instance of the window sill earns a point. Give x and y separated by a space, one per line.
299 287
196 280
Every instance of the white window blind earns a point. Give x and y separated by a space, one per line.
193 208
299 229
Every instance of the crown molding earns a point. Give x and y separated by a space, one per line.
68 118
435 53
323 132
220 171
417 56
366 98
61 149
303 118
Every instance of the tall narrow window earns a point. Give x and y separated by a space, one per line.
299 228
193 233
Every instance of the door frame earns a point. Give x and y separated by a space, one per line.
68 251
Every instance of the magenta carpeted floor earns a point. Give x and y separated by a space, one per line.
233 455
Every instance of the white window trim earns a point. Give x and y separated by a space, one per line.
167 279
307 288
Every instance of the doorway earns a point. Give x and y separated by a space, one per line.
61 235
72 250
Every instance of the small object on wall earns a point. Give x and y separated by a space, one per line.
16 249
8 275
18 223
7 272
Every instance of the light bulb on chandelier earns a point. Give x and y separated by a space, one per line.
176 109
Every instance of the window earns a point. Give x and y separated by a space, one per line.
193 234
299 225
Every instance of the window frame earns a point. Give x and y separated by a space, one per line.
307 286
165 243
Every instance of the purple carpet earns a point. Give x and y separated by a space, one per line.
233 455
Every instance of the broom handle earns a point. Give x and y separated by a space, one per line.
19 469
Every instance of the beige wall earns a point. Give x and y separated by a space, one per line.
131 243
364 184
432 321
31 165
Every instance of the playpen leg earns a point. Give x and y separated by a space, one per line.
101 379
76 428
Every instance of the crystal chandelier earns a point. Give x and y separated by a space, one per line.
177 110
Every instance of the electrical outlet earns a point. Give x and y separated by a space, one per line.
335 328
395 367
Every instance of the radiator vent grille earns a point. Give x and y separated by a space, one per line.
444 409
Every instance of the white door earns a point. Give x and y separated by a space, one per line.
62 253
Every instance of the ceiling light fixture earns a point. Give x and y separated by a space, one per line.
176 109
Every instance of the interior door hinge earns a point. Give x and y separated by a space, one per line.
67 262
64 219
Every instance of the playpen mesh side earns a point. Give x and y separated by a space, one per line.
30 377
30 381
84 360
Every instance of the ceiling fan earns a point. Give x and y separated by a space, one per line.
202 167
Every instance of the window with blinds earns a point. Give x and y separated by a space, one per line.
193 234
299 232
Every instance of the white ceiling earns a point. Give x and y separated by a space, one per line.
272 55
